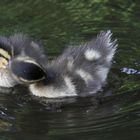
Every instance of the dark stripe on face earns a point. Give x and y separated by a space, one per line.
27 70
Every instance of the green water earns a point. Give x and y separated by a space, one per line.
58 23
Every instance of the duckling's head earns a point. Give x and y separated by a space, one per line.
26 70
6 53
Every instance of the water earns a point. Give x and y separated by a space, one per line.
115 114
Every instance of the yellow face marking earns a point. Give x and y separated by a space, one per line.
5 53
3 62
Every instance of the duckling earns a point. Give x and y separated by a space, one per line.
18 45
79 71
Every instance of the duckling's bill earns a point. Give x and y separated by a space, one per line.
4 58
5 54
3 62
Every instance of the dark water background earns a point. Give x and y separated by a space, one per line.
57 23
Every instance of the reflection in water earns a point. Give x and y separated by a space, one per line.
114 116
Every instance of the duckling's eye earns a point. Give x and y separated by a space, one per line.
27 71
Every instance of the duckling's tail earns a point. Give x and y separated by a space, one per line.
103 47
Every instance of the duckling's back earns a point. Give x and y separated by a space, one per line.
84 68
